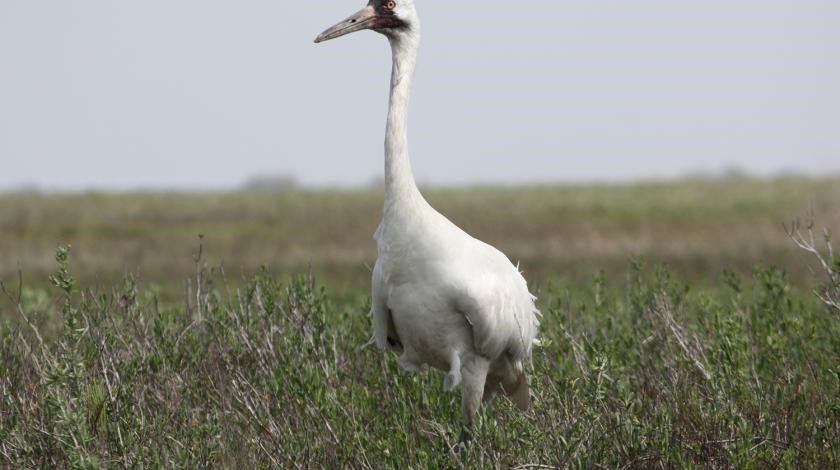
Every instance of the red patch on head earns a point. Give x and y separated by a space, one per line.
385 17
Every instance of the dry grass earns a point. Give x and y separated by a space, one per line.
697 228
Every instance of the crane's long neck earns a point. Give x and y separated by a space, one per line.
399 179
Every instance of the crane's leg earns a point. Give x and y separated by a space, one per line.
473 375
492 387
453 378
408 362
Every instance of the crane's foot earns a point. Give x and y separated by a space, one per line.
463 441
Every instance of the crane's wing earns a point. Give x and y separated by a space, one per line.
384 333
494 298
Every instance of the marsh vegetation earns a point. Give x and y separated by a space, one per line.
680 328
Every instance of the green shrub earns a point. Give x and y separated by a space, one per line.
642 371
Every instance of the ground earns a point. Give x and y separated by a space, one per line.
680 327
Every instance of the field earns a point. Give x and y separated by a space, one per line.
681 327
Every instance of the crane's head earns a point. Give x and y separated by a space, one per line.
392 18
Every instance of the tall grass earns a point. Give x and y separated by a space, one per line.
638 370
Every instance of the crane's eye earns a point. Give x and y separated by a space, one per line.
391 5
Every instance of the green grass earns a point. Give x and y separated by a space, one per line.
639 370
722 357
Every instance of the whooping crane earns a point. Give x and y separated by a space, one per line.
440 297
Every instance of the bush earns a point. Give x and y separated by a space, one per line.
643 372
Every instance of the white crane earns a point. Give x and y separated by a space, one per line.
440 297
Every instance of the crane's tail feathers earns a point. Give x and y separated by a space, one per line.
519 393
409 364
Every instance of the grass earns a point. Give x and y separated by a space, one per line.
642 364
571 232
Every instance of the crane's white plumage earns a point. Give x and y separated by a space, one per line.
440 297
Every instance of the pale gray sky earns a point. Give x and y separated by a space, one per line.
205 93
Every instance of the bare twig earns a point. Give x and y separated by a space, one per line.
692 350
830 292
17 299
534 466
199 278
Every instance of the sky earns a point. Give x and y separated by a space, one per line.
204 94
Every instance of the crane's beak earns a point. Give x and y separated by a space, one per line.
363 19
